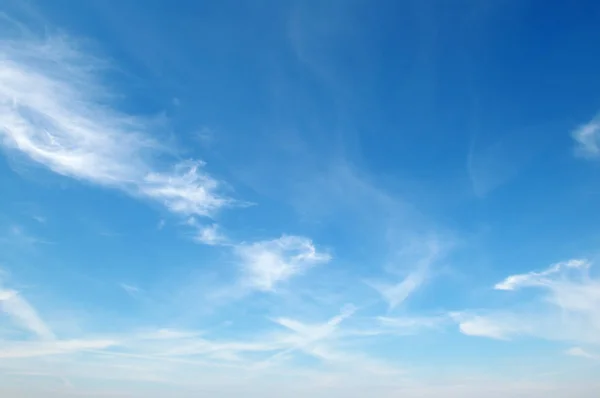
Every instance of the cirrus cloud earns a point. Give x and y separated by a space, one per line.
56 112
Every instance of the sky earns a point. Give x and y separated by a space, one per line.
299 198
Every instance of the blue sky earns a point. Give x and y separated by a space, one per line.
330 199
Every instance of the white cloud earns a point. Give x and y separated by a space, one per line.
396 294
19 309
417 256
267 263
40 219
543 278
55 111
221 351
317 332
185 190
210 235
308 338
133 291
28 349
409 325
168 334
491 166
580 352
493 327
587 138
568 308
17 235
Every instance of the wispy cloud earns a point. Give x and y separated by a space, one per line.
40 219
185 190
396 294
410 325
265 264
587 139
29 349
210 235
55 111
19 309
17 235
568 309
167 334
418 258
310 339
543 278
131 290
580 352
490 167
498 327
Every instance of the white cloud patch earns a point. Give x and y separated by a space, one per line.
409 325
210 235
396 294
55 111
418 257
580 352
29 349
544 278
587 139
23 314
266 264
317 332
17 235
311 339
489 167
499 327
185 190
131 290
567 310
167 334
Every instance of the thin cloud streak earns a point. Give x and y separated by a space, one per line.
210 235
567 310
131 290
44 348
580 352
55 111
19 309
266 264
419 258
587 139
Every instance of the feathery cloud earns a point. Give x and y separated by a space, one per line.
569 308
580 352
409 325
210 235
543 278
587 139
29 349
396 294
419 257
131 290
496 327
22 313
265 264
55 111
167 334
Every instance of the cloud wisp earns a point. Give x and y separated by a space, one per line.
418 258
587 139
19 309
580 352
56 112
567 310
266 264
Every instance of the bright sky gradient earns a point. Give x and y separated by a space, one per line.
273 198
